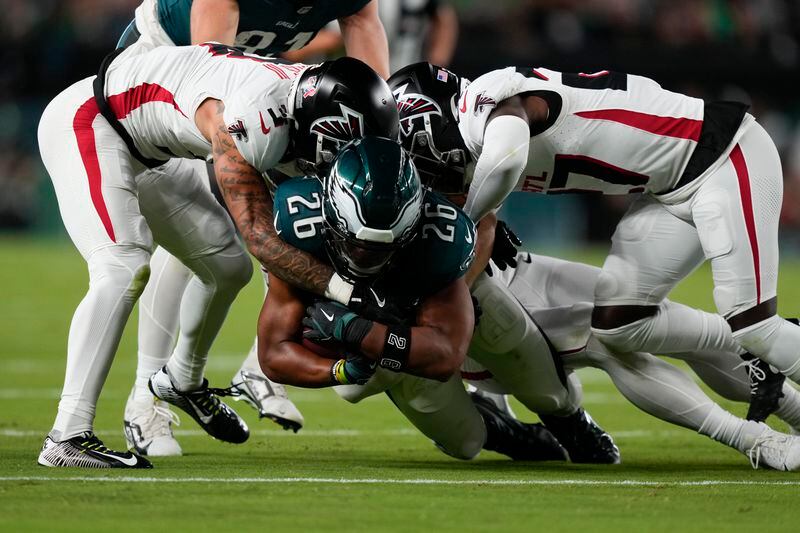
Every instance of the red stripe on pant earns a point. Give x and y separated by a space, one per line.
84 133
743 176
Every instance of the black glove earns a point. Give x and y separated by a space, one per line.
327 321
370 301
504 252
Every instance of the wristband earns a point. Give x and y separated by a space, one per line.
396 347
339 290
337 373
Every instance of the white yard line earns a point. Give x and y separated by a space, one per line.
413 481
258 432
395 432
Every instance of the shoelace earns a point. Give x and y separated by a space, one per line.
161 417
755 373
96 445
754 453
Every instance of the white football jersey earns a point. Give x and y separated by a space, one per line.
614 133
155 96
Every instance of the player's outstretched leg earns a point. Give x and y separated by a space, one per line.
202 404
664 391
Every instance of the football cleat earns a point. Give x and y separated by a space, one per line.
204 405
266 397
518 440
148 427
87 451
584 440
775 450
766 388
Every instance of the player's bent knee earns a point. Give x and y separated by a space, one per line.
467 447
125 268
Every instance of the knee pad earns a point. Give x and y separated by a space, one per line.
121 266
228 269
503 323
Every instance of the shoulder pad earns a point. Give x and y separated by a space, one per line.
257 125
445 247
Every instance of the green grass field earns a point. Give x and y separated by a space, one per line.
354 468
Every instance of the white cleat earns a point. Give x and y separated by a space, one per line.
148 427
775 450
268 398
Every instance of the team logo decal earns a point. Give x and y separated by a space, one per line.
482 101
411 106
238 130
349 125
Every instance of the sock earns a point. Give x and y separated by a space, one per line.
735 432
251 363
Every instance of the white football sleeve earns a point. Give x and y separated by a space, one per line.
497 171
252 125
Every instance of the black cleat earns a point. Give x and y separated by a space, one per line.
584 440
87 451
204 405
766 388
518 440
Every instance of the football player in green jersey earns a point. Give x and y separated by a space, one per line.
372 220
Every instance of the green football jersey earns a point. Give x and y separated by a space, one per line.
440 254
266 27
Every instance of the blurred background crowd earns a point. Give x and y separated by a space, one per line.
746 50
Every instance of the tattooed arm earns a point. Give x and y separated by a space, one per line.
250 206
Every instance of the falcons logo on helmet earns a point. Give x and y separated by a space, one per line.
413 105
348 126
482 101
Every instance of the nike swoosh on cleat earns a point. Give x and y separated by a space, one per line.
205 419
329 317
129 461
381 303
264 129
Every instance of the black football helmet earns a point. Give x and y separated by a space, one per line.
333 103
426 97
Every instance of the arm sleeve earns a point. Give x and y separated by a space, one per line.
258 138
504 156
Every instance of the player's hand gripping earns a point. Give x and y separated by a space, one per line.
327 321
369 300
504 252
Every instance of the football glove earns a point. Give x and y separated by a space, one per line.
359 369
327 321
504 252
370 301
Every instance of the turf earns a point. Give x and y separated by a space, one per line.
341 471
